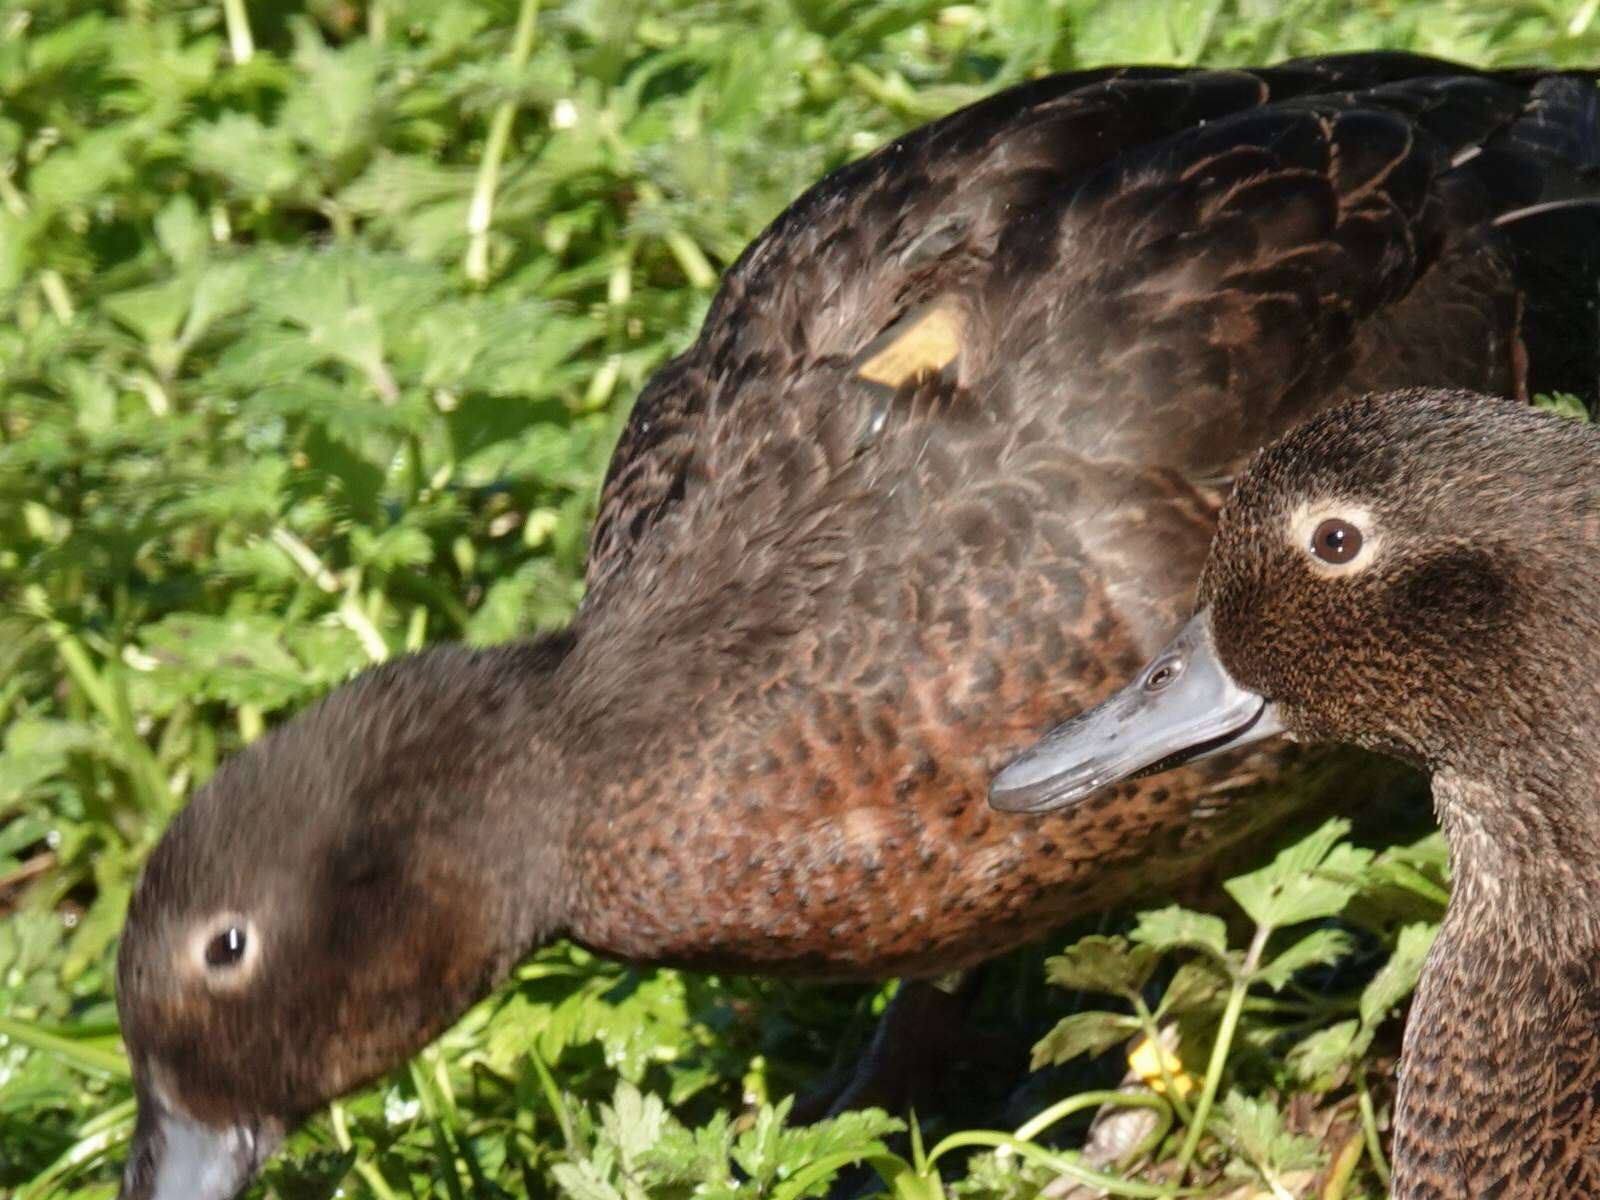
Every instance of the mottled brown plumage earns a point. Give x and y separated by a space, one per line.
1469 645
838 574
1463 635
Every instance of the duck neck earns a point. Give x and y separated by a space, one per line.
503 819
1499 1060
1524 813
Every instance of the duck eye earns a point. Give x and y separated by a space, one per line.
227 948
1336 541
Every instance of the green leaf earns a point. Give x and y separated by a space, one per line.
238 660
1398 977
1082 1033
401 546
1563 404
331 107
156 312
633 1122
181 232
74 174
37 748
1151 31
1103 964
582 1181
253 158
1197 986
1419 872
1176 928
1320 948
1319 1059
1254 1130
1314 878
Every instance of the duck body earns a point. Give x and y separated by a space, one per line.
865 594
941 467
1461 634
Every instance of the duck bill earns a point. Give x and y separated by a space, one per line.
1183 706
173 1157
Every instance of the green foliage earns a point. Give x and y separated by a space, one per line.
317 323
1563 404
1305 909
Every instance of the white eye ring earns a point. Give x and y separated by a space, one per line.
1335 526
225 950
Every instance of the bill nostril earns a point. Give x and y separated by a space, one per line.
1162 674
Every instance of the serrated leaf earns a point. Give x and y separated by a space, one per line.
1082 1033
1314 878
1164 31
331 106
1562 404
1176 928
1253 1128
401 546
71 176
1421 870
1320 948
237 660
36 748
1103 964
180 231
221 290
582 1181
1397 978
1319 1059
1196 986
156 312
633 1121
255 159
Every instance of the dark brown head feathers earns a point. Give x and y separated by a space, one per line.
1464 635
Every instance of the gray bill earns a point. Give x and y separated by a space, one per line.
1183 706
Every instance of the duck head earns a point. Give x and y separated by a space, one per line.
334 897
1375 579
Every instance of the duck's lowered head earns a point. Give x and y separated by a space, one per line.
1396 574
333 898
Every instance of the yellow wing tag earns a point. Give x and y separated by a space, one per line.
1147 1059
923 342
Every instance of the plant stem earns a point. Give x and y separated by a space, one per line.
240 42
1147 1022
1110 1184
1341 1169
57 295
1063 1109
1369 1126
1219 1052
369 1173
94 1138
480 214
79 1054
105 693
691 259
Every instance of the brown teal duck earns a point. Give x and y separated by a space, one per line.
1416 573
940 468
